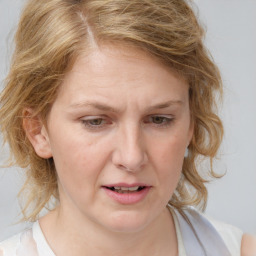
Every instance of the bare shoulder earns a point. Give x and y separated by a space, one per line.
248 247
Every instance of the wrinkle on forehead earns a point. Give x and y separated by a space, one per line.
113 70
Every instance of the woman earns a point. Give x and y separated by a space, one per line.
108 105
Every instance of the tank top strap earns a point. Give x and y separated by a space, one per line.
199 236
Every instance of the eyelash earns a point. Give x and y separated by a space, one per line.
165 122
88 123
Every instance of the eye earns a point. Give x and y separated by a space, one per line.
95 123
159 121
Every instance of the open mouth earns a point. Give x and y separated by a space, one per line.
125 190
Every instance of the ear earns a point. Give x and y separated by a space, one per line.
37 133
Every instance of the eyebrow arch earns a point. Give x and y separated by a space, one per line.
95 105
165 104
105 107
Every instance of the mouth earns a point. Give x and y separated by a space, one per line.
127 194
126 190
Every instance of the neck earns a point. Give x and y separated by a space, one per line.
67 236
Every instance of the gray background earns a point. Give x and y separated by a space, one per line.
231 37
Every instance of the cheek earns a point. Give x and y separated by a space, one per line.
78 159
77 171
169 159
171 152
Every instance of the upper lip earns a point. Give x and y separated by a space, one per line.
126 185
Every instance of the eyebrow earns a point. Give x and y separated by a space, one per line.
95 105
165 104
105 107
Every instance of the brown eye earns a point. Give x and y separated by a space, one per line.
159 119
95 122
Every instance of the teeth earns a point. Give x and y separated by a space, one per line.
123 190
126 189
133 188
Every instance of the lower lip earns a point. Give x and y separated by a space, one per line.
128 198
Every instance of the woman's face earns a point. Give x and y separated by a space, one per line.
117 131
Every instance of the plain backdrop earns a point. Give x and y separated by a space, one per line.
231 38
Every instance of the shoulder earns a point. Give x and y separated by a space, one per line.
216 238
9 246
227 231
231 235
248 247
20 244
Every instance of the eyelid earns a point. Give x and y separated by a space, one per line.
92 117
168 119
106 122
161 115
86 122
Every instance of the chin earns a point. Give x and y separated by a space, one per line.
128 222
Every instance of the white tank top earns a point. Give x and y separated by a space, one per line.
199 235
196 235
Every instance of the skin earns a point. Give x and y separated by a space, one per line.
248 247
120 116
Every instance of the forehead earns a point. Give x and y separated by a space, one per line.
112 68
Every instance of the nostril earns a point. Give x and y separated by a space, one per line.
124 168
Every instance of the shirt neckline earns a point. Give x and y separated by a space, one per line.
44 248
181 247
42 244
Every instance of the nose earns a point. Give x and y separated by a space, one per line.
130 150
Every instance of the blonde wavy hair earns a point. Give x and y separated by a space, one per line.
52 33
